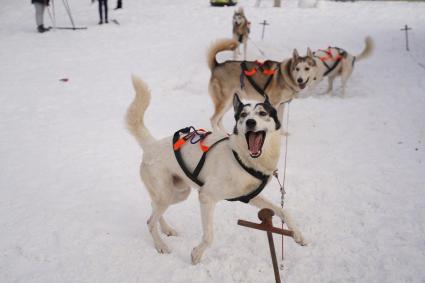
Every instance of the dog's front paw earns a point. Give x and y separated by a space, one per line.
162 248
299 239
196 255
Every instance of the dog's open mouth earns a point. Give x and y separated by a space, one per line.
304 84
255 141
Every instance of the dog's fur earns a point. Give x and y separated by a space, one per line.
223 176
240 31
314 68
225 80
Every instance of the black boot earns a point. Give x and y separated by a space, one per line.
42 29
119 5
100 22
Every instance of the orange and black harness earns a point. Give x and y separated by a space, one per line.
336 59
194 136
250 73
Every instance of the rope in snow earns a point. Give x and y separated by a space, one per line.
282 185
417 61
255 45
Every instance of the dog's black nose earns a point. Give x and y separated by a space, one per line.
251 123
299 80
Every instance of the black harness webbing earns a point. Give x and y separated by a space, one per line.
260 90
194 176
341 53
254 173
330 69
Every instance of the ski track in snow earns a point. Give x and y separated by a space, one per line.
72 208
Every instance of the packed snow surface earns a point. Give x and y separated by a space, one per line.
73 209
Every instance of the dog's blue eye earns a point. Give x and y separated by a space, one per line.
263 113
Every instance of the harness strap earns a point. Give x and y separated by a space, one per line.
204 156
194 176
248 74
336 59
256 174
330 69
179 142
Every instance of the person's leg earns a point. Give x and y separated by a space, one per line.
100 12
106 10
119 4
39 15
39 8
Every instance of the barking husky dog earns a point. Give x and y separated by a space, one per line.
240 31
277 79
331 63
230 171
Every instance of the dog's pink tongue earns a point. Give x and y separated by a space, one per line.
255 140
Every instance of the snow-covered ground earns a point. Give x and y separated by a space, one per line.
72 207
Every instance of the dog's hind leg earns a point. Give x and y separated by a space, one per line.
180 194
245 44
226 108
160 191
330 85
166 228
346 72
262 202
221 105
207 213
157 210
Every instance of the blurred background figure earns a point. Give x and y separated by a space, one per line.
40 6
119 5
103 11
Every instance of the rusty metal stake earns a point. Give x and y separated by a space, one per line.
265 215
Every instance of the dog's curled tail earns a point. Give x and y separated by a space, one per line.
368 49
219 45
136 112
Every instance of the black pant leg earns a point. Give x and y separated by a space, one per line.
100 9
106 10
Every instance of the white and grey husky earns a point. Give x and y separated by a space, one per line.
330 63
276 79
240 31
237 167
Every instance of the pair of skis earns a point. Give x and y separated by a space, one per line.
80 28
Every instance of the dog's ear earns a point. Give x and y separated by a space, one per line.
309 53
266 99
280 110
295 55
275 114
237 103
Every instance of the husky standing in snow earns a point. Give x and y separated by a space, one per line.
240 31
331 63
237 166
276 79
